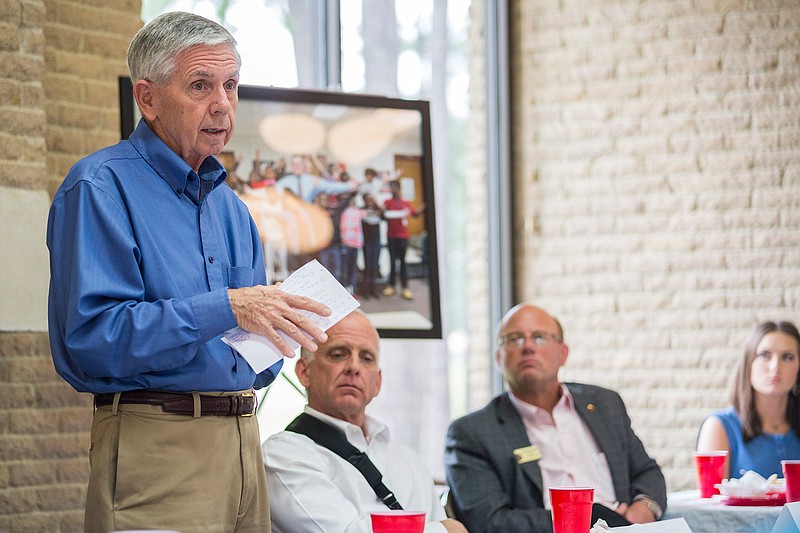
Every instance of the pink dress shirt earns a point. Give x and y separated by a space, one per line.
570 455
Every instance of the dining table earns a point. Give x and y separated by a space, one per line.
719 514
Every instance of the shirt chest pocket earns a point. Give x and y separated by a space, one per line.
239 277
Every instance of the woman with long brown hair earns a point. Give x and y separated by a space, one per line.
762 426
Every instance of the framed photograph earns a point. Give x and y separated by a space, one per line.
346 179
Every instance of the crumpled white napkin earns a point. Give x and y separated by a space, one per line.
599 526
750 484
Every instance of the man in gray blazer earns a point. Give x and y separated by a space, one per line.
543 433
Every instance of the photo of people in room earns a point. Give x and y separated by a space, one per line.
347 186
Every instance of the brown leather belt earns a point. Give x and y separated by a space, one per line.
182 403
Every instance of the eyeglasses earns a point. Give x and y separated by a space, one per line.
517 338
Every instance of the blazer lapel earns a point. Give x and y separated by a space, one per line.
514 429
599 419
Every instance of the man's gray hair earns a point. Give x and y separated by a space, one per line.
155 48
306 354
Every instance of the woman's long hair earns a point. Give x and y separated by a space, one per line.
742 393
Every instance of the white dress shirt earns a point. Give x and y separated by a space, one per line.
570 455
313 490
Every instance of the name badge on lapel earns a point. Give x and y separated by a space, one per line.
527 454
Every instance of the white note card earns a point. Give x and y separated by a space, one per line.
675 525
312 280
789 519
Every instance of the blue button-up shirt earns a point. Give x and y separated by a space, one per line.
142 253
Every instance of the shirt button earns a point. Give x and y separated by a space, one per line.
191 178
179 191
211 259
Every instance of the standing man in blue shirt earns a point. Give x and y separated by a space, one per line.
152 259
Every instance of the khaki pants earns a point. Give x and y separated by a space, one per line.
154 470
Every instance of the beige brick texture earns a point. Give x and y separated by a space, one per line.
655 161
59 63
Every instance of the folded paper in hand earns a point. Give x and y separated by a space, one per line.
312 280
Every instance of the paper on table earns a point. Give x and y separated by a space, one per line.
789 519
312 280
675 525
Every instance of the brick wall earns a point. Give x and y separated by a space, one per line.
86 45
44 428
657 166
59 62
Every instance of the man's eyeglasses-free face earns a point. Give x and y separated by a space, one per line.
517 338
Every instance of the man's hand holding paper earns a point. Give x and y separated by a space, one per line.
264 310
275 321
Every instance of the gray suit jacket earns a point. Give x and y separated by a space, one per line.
492 493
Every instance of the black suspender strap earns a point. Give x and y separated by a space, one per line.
329 437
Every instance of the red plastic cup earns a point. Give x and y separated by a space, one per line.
791 473
572 509
710 467
395 521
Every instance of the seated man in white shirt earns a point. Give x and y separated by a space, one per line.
501 459
312 489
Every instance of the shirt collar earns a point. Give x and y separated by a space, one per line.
375 429
174 170
536 416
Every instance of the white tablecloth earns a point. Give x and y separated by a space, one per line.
710 515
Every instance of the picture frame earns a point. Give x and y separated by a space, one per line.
339 136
